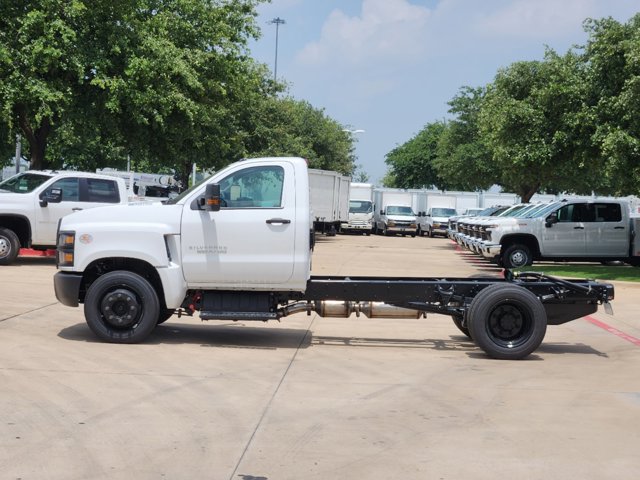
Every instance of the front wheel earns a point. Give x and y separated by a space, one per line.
9 246
121 307
507 321
516 256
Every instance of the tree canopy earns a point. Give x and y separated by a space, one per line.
566 123
167 83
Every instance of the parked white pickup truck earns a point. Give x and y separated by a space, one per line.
239 248
579 230
32 203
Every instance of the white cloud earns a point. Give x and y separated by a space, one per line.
542 19
385 30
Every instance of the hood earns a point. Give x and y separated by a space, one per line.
162 218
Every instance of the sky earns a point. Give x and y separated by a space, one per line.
389 67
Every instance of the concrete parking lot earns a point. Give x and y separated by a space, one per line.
314 398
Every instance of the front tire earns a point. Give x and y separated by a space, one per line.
508 322
9 246
122 307
516 256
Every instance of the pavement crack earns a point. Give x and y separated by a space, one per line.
28 311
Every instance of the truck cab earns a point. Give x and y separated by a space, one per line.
32 203
394 219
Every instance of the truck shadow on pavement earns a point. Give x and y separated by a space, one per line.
230 336
239 336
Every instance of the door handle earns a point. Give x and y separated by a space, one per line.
618 228
281 221
578 228
77 209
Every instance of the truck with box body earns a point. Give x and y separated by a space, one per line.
329 196
32 202
238 247
360 209
393 212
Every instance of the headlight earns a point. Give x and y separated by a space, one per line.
66 244
391 223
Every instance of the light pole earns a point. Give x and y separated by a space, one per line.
277 21
357 130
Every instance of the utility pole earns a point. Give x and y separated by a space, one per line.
277 21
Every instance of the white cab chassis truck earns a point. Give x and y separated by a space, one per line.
32 203
238 247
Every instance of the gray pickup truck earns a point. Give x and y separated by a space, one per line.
579 230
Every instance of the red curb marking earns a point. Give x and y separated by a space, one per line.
29 252
615 331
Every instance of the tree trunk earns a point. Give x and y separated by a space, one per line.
528 191
37 138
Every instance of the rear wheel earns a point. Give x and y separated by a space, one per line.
9 246
122 307
507 321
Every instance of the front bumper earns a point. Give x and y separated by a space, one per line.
67 288
490 250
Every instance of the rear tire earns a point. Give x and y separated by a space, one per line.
508 322
9 246
121 307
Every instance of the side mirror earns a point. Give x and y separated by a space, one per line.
51 196
211 200
551 219
381 212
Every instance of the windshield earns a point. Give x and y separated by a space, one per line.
443 212
397 210
23 183
176 199
360 206
542 210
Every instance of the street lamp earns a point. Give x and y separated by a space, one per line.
358 130
277 21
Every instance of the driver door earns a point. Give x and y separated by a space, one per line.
250 241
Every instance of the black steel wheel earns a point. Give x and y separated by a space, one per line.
507 321
9 246
121 307
516 256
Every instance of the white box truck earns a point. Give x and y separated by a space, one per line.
360 209
329 196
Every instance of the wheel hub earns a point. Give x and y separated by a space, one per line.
518 258
506 322
5 247
120 308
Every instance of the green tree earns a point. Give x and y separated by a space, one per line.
411 165
463 160
153 79
532 120
613 102
289 127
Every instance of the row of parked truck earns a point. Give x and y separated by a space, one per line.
577 230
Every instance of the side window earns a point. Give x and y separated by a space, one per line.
575 212
253 187
102 191
607 212
70 189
